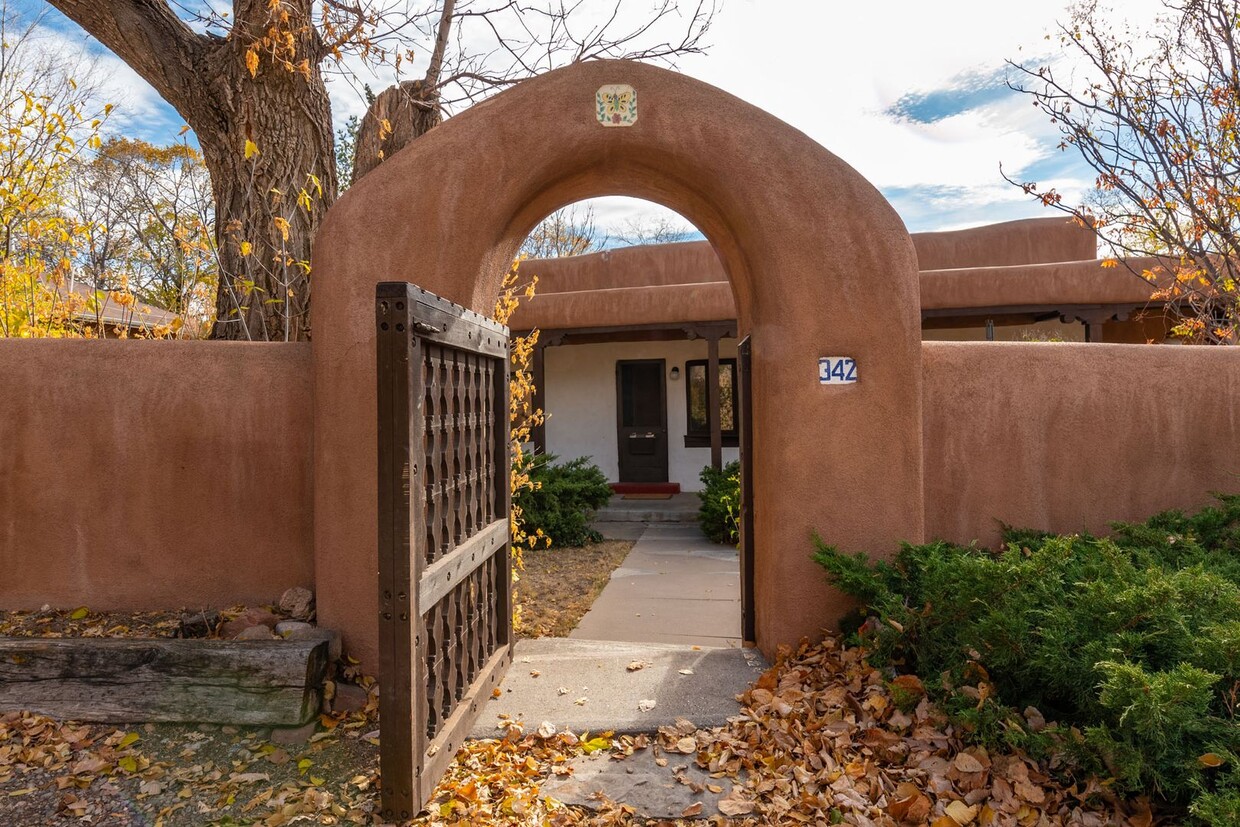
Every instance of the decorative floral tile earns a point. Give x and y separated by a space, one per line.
616 104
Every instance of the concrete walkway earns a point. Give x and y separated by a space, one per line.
661 643
589 685
675 586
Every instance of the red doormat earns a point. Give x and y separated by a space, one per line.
646 496
645 487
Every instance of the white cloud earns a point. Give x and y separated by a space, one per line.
833 70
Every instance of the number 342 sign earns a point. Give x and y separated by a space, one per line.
837 370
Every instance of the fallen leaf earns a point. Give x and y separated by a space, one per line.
1210 759
735 803
961 813
967 763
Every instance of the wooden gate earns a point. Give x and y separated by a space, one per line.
445 613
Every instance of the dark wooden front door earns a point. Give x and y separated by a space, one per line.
641 400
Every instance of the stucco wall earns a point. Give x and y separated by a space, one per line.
580 389
1068 437
153 474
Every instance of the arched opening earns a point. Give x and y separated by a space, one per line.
635 367
818 265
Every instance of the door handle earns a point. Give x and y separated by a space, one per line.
641 436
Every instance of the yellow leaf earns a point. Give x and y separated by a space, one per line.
130 738
79 613
1109 263
251 60
246 248
251 149
281 224
128 764
184 129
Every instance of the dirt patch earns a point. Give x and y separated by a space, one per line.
559 585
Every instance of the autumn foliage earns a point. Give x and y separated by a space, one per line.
1154 113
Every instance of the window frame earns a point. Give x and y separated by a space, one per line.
701 439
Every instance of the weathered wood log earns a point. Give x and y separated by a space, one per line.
267 683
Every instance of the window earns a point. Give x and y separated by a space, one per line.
697 432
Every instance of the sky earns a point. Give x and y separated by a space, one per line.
911 93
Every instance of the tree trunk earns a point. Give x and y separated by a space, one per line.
274 103
264 286
399 114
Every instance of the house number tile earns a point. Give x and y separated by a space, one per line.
837 370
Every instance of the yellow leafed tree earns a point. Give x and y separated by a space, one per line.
42 131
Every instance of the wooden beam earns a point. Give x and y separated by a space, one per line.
126 680
744 378
444 574
634 333
712 402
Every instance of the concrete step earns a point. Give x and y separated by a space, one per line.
680 508
645 515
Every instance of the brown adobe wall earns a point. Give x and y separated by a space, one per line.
769 198
687 262
1050 284
1024 241
1067 437
153 475
1027 241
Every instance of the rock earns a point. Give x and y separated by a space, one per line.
286 627
199 624
255 633
349 698
246 620
298 603
318 633
291 736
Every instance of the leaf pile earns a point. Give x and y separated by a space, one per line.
82 622
823 739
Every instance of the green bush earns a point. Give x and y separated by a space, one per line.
1131 643
563 499
719 515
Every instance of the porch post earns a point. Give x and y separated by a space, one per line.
538 369
712 400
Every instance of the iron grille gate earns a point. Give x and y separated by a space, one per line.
445 614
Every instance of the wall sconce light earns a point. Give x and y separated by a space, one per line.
675 374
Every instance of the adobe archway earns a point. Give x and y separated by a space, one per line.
819 263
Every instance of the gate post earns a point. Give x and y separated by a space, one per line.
402 660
